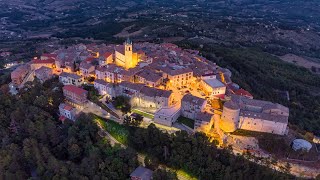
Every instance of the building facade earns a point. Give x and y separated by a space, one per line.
192 105
104 88
167 115
71 79
44 73
86 69
19 74
127 58
203 122
212 86
75 95
67 111
254 115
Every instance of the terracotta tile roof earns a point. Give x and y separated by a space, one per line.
47 61
107 54
153 92
68 107
42 70
89 59
49 55
149 75
85 65
193 99
173 71
75 89
62 118
242 92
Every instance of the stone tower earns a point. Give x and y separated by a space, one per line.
128 54
230 117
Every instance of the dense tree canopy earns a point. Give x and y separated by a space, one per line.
35 144
196 155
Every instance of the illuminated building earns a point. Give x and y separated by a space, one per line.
67 111
212 86
192 105
254 115
125 57
71 79
104 88
203 122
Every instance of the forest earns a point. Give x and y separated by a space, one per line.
35 144
197 156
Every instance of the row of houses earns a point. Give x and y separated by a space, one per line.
168 108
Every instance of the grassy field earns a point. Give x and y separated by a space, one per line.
119 132
186 121
144 114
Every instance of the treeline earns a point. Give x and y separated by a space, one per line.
267 77
196 155
35 144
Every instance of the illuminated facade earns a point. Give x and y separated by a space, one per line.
212 86
203 122
127 58
254 115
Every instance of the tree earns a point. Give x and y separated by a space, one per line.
35 143
151 162
122 103
313 69
133 120
161 174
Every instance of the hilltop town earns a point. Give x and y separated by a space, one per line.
162 80
200 90
173 88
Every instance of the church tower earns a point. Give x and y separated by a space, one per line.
128 54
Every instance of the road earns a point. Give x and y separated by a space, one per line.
91 107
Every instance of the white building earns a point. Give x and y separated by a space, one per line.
153 98
67 111
104 88
192 105
212 86
86 69
71 79
167 115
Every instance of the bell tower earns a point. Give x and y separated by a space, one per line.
128 54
